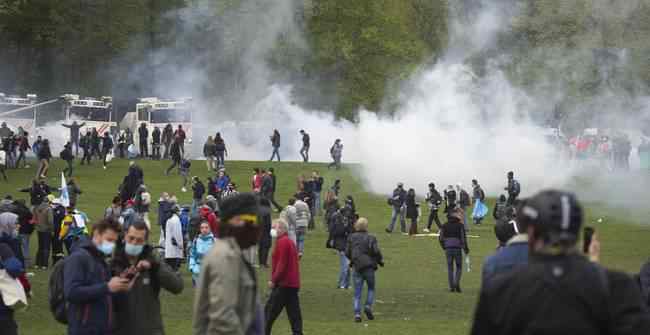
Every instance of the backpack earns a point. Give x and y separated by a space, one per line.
56 298
185 221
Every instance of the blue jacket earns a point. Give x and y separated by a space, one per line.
200 247
14 268
513 255
85 286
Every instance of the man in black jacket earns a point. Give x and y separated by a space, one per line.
364 254
397 203
304 152
435 200
143 134
74 134
155 143
560 291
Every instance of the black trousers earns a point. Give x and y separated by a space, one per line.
280 298
155 148
263 254
271 197
433 216
43 253
174 263
8 325
86 157
144 149
57 248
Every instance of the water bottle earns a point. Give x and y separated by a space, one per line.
468 263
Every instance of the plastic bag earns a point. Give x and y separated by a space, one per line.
480 210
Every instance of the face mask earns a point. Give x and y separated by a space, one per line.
274 233
133 249
106 248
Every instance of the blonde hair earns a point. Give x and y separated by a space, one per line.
361 225
282 225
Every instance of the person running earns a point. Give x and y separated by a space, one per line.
336 151
397 203
560 291
74 134
275 143
226 298
138 311
453 241
184 171
176 156
364 254
285 280
304 152
435 200
201 245
86 146
88 285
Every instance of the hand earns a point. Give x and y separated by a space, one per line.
143 265
271 285
117 284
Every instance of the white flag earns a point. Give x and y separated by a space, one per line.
65 197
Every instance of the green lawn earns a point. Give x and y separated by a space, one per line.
412 296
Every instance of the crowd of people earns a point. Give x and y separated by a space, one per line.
107 277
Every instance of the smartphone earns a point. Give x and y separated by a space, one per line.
587 236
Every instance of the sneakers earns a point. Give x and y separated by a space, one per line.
357 318
104 167
426 230
183 189
368 313
388 230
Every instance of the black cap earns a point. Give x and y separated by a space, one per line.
239 204
556 216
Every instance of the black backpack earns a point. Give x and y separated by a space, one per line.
56 298
516 188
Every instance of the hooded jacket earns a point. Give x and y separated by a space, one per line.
200 247
213 221
137 312
86 276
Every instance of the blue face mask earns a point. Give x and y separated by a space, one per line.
106 248
133 249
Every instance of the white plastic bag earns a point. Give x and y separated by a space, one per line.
12 291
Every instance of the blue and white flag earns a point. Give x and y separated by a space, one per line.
65 197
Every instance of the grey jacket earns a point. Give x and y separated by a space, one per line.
44 218
226 300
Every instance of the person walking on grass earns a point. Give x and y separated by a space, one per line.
174 239
138 311
336 151
303 216
454 241
221 150
397 202
201 245
107 149
304 151
364 254
44 227
210 153
265 237
275 143
285 280
435 200
67 156
340 227
44 156
176 156
88 286
226 298
478 198
85 142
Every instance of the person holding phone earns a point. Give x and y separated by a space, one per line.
138 311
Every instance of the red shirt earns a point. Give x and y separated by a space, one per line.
213 220
286 272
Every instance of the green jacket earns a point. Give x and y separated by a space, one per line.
138 311
226 295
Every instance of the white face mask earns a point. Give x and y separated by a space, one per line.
274 233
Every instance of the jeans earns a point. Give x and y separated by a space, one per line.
21 157
301 232
75 145
454 257
24 243
304 152
317 203
43 254
221 162
344 270
280 298
433 216
276 151
367 276
397 211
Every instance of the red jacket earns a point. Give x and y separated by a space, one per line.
213 220
286 272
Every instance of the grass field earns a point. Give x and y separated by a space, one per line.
412 294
